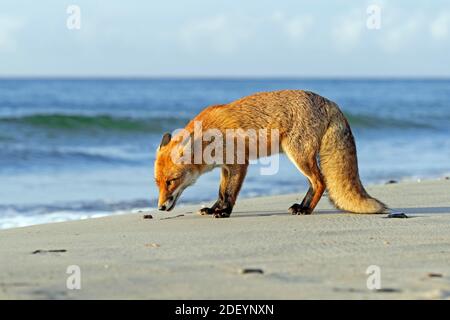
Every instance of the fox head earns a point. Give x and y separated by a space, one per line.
171 178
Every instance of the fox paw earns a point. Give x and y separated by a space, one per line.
298 209
215 212
221 214
205 211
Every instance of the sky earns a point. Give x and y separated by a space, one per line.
225 38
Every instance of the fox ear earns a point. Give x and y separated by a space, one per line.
165 139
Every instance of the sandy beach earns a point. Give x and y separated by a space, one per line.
182 255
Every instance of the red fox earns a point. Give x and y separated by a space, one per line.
310 127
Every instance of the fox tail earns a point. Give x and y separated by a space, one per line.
339 166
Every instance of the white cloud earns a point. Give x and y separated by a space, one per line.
347 30
8 27
224 34
440 27
399 29
217 33
400 32
295 27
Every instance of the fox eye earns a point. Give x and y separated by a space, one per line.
171 182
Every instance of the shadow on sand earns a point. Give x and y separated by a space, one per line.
422 210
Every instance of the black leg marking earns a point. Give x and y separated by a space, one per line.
308 197
224 209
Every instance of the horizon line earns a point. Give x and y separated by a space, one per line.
217 77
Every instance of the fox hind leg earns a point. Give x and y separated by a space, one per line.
299 208
309 167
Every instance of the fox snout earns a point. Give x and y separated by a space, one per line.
166 205
167 201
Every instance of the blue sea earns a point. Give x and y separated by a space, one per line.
79 148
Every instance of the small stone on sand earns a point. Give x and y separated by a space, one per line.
400 215
251 270
152 245
434 275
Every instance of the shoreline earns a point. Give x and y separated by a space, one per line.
182 255
55 217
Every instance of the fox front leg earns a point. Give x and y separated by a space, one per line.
231 181
221 209
221 200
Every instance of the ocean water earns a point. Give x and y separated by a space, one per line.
72 149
